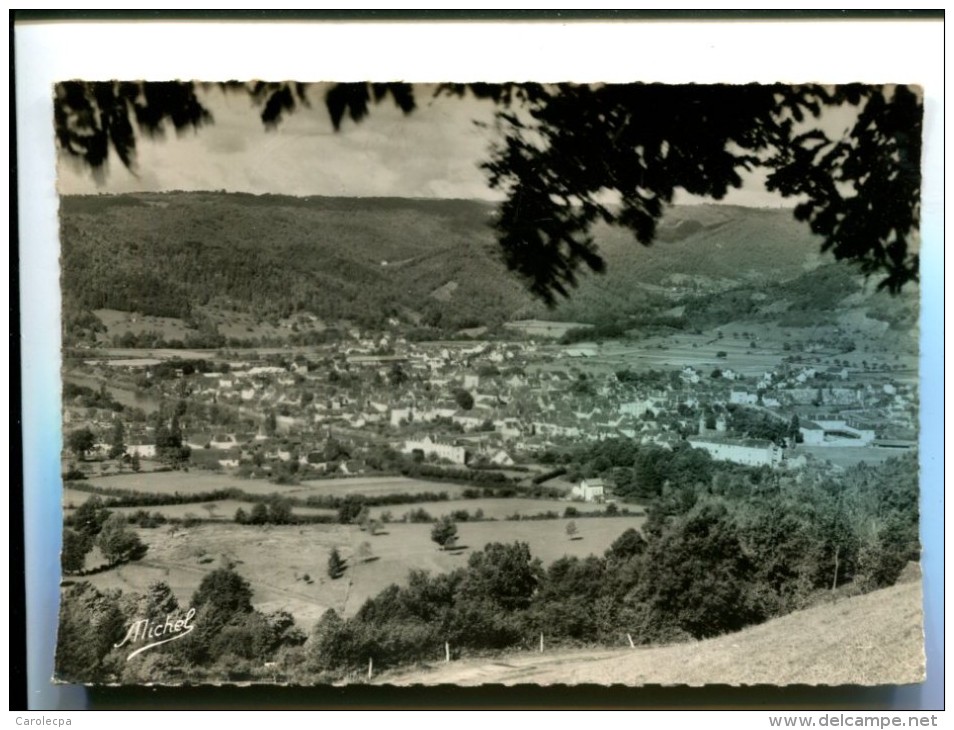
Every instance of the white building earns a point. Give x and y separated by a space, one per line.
743 398
834 433
143 451
401 414
589 490
441 449
750 452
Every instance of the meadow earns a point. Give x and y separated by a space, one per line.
287 565
192 482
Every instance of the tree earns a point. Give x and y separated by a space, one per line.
279 510
697 576
364 551
571 529
397 376
117 446
135 463
118 543
336 564
464 399
225 589
630 544
76 546
565 146
168 440
80 442
794 431
90 622
90 516
507 575
444 532
350 509
271 424
259 515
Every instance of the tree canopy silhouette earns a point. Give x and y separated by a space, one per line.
571 156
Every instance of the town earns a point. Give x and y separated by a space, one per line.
482 404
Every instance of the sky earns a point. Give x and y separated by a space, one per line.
434 152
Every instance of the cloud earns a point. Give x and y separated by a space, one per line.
433 152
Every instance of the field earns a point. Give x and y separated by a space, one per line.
543 328
849 455
374 486
276 559
127 397
701 350
179 482
229 323
676 352
118 323
173 482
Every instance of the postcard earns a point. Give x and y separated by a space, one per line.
489 383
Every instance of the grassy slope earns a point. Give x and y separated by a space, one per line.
872 639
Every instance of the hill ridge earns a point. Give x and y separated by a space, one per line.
176 254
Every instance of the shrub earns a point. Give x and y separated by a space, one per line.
444 533
336 564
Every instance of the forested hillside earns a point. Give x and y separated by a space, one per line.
364 260
427 263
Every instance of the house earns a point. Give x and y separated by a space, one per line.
508 427
467 420
143 451
501 458
589 490
743 398
399 415
223 441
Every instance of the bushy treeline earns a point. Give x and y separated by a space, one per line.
756 424
119 497
640 471
86 397
712 559
415 470
94 525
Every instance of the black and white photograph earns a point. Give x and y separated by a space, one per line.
489 383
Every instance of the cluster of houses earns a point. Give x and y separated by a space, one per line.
519 400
